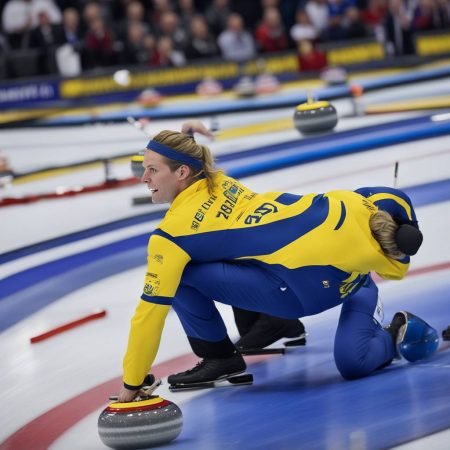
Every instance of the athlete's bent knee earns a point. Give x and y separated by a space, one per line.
351 368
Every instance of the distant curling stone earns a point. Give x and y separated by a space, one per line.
149 98
314 117
266 83
334 76
136 165
245 87
140 424
209 87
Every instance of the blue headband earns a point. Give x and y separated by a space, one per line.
174 154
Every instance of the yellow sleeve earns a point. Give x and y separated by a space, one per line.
397 270
143 342
165 264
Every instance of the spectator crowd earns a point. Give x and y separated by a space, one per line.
85 35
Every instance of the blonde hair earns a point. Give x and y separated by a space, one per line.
185 143
383 228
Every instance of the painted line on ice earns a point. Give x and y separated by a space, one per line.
45 429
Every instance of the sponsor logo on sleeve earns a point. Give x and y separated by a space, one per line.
158 258
151 288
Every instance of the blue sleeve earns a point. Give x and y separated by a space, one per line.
393 201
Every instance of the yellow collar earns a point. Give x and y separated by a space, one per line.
185 193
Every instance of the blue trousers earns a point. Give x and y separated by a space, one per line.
361 345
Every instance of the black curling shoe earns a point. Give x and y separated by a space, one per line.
269 329
210 369
393 329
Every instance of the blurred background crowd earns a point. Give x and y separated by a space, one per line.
66 37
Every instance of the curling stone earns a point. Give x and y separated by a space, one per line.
209 87
140 424
149 98
245 87
334 76
314 117
266 83
136 165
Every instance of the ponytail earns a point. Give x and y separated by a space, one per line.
383 228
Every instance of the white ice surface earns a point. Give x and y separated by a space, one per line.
62 367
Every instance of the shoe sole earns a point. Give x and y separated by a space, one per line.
233 380
275 350
276 338
261 351
222 377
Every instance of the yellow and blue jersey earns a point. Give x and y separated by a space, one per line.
319 244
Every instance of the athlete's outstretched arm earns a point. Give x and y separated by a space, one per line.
143 342
166 262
